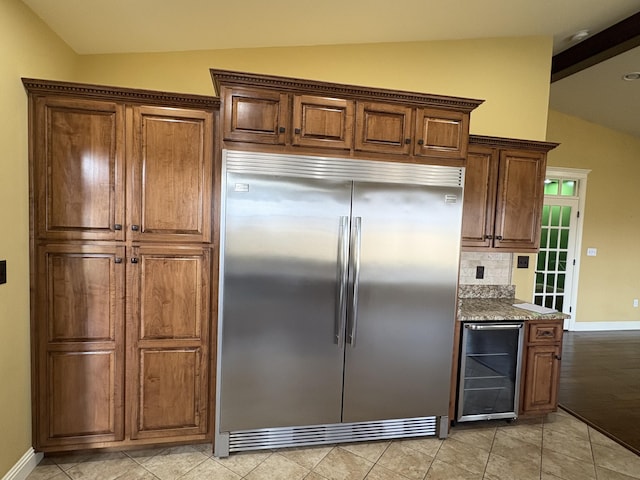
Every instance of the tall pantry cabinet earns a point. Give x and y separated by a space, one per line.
123 252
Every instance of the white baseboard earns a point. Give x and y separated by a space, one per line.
24 466
602 326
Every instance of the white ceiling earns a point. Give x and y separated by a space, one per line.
118 26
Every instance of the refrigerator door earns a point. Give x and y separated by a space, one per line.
403 268
282 349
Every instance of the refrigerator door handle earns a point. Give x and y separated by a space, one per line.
356 237
343 280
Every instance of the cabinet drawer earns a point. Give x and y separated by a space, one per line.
545 332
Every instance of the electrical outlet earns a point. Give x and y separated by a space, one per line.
523 261
480 272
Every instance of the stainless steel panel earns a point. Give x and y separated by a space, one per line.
401 363
280 362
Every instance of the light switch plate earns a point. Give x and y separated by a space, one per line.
592 252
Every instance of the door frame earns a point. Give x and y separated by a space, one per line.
579 174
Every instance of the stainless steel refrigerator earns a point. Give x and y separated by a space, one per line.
337 299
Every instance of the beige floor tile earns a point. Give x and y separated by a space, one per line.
210 469
549 476
481 437
527 432
617 458
341 464
174 462
512 448
563 422
66 461
444 471
143 455
371 451
46 470
467 457
307 457
206 448
314 476
406 461
606 474
567 468
242 463
380 473
567 444
600 439
277 466
501 468
428 445
108 466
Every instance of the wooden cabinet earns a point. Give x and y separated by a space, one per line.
168 355
170 171
322 122
503 194
79 344
301 116
122 188
541 369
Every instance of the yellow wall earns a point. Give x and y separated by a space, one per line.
609 281
27 48
511 74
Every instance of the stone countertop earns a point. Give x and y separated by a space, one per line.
492 309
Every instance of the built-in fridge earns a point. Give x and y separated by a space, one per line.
337 299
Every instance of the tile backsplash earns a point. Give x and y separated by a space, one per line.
497 268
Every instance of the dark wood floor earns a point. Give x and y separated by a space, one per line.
600 382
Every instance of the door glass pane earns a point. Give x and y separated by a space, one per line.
542 259
553 238
545 215
560 287
544 238
551 186
559 303
564 239
566 216
562 261
551 266
548 302
555 215
568 188
539 282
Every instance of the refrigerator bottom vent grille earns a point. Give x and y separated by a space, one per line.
335 433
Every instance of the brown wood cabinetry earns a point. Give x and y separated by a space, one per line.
541 368
121 182
503 194
322 118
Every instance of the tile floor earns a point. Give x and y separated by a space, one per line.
557 447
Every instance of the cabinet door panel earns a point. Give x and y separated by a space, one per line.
519 200
83 394
382 127
541 378
441 133
169 342
479 197
254 115
79 327
322 122
78 161
171 173
169 390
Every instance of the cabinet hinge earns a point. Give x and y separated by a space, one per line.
578 214
570 309
574 262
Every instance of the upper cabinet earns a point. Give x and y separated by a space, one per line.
503 194
87 145
300 116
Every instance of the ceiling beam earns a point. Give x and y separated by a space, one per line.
608 43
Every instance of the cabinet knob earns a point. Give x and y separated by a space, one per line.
488 237
135 228
117 260
134 260
297 131
499 237
407 141
557 357
421 142
282 130
117 226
